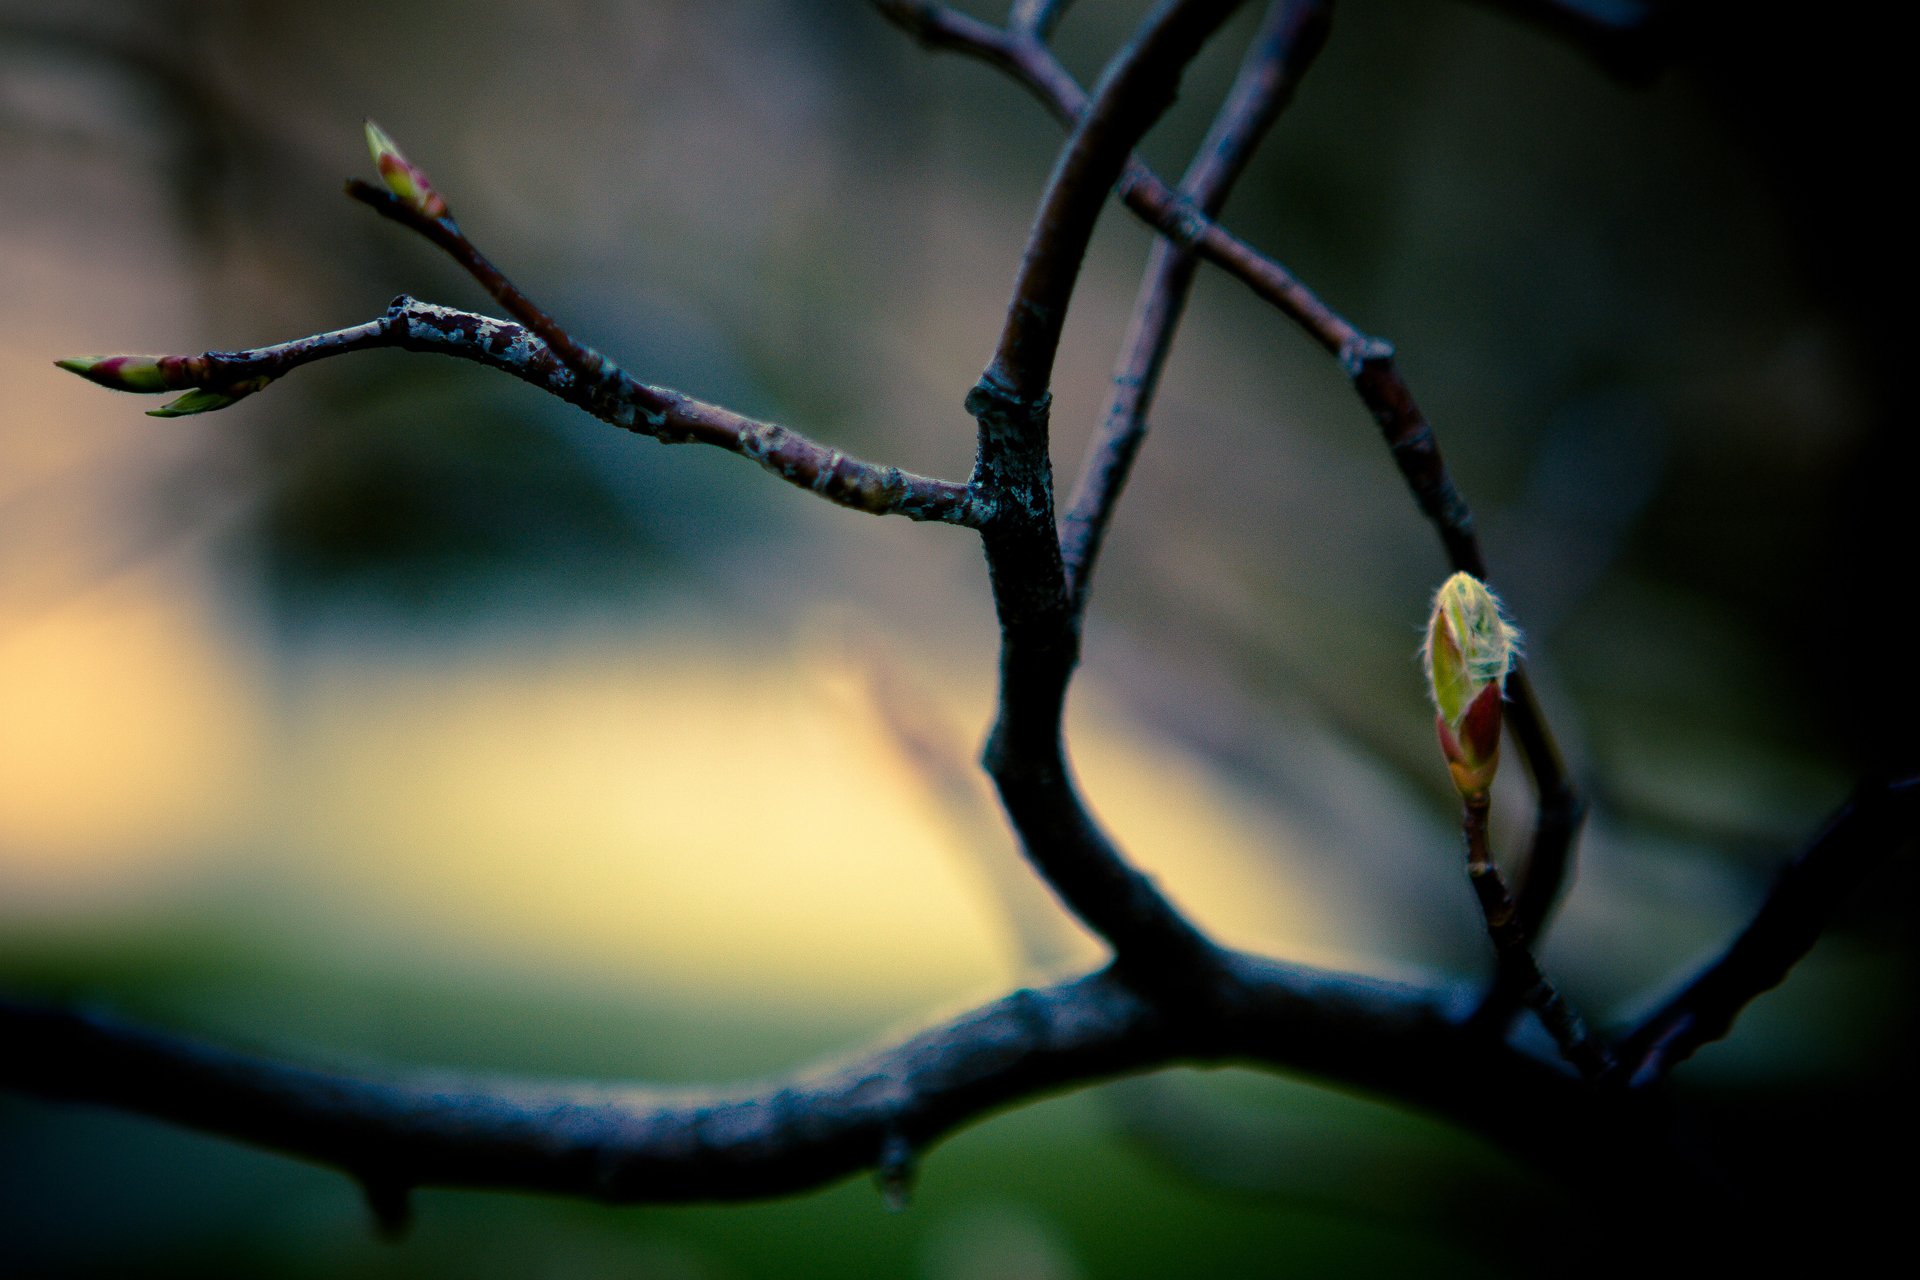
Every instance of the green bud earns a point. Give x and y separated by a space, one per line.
1469 649
122 373
402 177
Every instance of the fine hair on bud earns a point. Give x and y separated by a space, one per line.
1469 649
1470 643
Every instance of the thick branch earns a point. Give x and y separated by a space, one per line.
1797 910
626 1145
1290 37
1013 476
618 399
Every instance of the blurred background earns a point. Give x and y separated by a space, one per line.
398 715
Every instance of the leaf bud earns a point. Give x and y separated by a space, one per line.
1469 649
123 373
402 177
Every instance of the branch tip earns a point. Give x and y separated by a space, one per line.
140 374
406 180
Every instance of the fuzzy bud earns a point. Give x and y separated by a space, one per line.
402 177
1469 649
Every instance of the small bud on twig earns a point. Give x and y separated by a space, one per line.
1469 649
201 377
123 373
402 177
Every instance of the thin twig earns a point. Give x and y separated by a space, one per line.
1034 66
1290 37
1803 900
1513 954
667 416
594 370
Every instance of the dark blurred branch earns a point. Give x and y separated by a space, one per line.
1013 478
621 1144
1803 901
1368 361
1289 39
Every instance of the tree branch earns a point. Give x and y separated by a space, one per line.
1513 955
1136 88
1289 39
595 372
1797 910
1034 66
620 1144
617 398
1013 476
1369 363
1171 994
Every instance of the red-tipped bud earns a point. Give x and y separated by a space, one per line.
1469 649
128 373
402 177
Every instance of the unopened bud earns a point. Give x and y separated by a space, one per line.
123 373
1469 649
402 177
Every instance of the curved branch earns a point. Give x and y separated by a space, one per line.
629 1145
1013 474
1369 363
